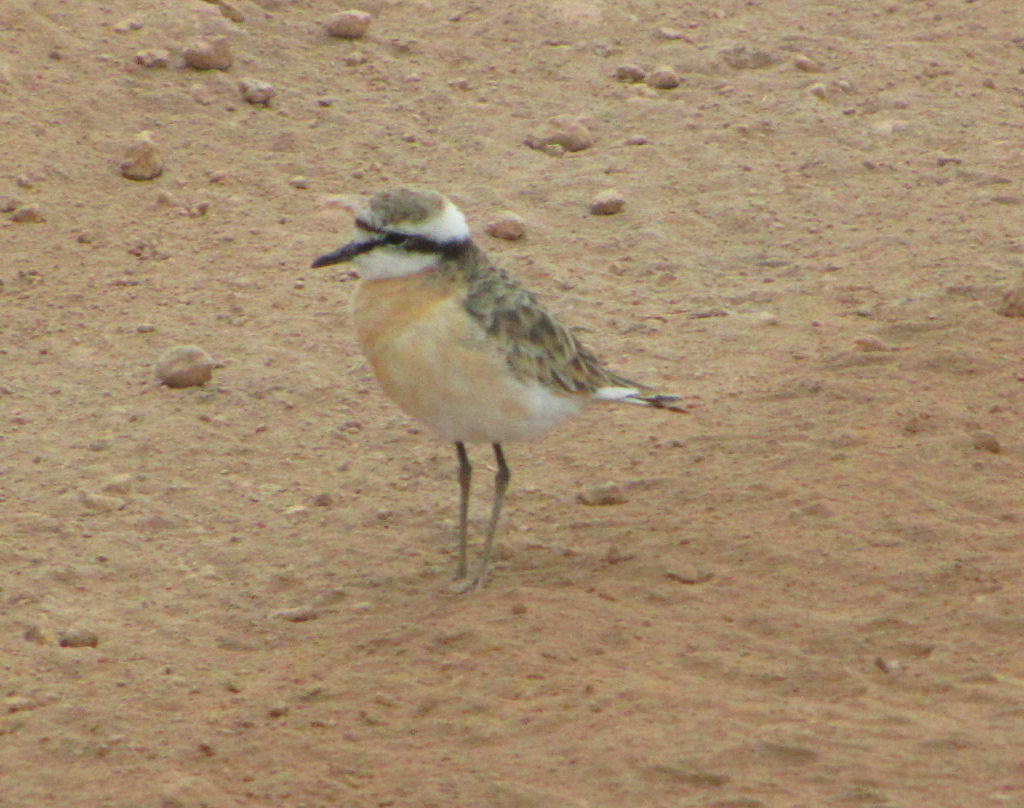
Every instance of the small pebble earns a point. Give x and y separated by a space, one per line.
131 24
100 502
507 225
296 615
256 92
818 90
607 494
142 160
299 181
888 127
153 57
323 500
37 635
79 638
766 318
669 33
145 328
689 575
230 10
209 54
663 78
987 442
184 366
870 343
740 57
277 710
350 24
28 213
607 203
18 704
636 140
1013 300
563 131
890 666
629 73
806 63
120 484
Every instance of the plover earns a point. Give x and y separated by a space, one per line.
462 347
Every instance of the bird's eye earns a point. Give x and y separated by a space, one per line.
395 239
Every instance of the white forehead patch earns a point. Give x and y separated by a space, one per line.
449 225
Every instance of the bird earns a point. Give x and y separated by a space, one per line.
461 346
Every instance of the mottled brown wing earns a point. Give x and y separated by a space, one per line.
537 346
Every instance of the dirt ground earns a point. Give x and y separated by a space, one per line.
240 594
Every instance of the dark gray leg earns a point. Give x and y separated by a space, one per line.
500 487
465 475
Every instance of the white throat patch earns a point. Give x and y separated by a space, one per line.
391 262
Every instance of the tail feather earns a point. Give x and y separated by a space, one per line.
657 400
632 395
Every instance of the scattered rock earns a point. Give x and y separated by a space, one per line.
9 203
507 225
888 127
766 319
229 10
563 131
664 78
987 442
184 366
323 500
806 63
891 666
100 502
740 57
131 24
689 575
670 34
142 160
19 704
145 328
298 181
1013 300
607 494
119 484
79 638
870 343
629 73
201 94
350 24
278 710
300 614
256 92
153 57
607 203
28 213
37 635
209 54
818 90
636 140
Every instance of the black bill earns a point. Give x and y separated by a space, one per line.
346 253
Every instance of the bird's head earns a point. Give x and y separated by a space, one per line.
402 231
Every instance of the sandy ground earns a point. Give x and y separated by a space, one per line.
812 593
